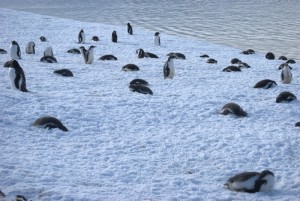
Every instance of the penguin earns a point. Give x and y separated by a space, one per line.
95 38
270 56
211 61
108 57
235 61
81 37
20 198
204 56
43 39
177 55
7 63
245 52
84 53
156 39
233 108
48 59
251 182
140 88
48 52
265 84
243 65
140 53
130 67
64 72
151 55
30 48
129 29
169 69
297 124
286 74
231 69
15 51
49 122
284 58
17 76
250 51
290 61
74 51
285 96
139 81
90 54
114 37
2 51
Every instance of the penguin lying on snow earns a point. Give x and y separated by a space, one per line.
251 182
2 51
74 51
140 85
176 55
17 76
141 54
43 39
211 61
285 96
64 72
48 59
95 38
231 69
108 57
233 108
265 84
139 81
130 67
21 198
49 122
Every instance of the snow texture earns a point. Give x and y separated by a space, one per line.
123 145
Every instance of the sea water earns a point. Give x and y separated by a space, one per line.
262 25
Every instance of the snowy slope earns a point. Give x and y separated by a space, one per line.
123 145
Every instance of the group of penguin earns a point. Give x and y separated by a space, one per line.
250 182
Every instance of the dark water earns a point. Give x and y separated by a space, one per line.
263 25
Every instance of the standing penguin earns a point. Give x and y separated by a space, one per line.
129 29
286 74
30 48
114 37
48 52
90 54
15 51
84 53
17 76
169 70
81 37
156 39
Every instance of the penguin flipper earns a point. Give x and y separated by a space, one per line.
17 80
282 75
257 186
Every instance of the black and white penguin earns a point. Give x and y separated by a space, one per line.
249 51
156 39
169 70
114 37
297 124
211 61
74 51
140 53
95 38
30 48
265 84
81 37
177 55
140 88
2 51
21 198
43 39
15 51
270 56
48 59
17 76
281 66
90 54
282 58
49 122
251 182
84 53
231 69
245 52
48 52
151 55
243 65
204 56
286 74
129 29
285 96
130 67
64 72
139 81
235 61
291 61
108 57
233 108
7 63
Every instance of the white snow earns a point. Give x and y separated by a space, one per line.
123 145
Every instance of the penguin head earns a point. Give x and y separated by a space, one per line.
14 64
156 34
81 31
269 178
14 42
171 57
114 32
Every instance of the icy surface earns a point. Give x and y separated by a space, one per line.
123 145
